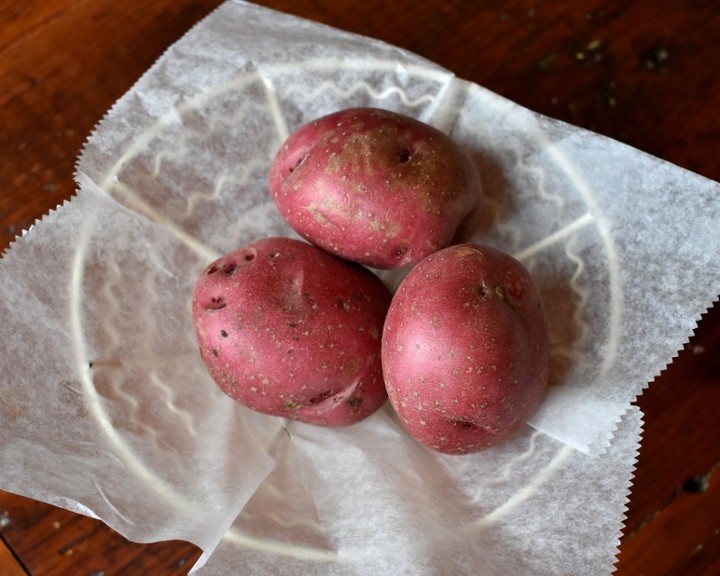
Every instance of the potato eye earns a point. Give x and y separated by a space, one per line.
225 268
297 163
320 397
215 303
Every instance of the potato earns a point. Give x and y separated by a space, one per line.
289 330
374 186
465 349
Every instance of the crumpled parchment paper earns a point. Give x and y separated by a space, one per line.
107 409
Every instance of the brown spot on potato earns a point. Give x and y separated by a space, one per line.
464 423
505 296
355 403
355 365
467 251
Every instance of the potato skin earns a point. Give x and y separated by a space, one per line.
289 330
465 349
374 186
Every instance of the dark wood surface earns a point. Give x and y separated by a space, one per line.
640 71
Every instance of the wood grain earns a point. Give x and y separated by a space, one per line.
639 71
9 564
51 541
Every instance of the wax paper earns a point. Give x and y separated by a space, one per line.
107 408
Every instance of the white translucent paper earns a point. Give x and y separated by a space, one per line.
108 410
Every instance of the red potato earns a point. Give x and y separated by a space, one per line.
374 186
289 330
465 349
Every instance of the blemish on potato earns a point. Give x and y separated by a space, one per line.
355 403
320 397
463 423
505 297
482 291
355 365
469 251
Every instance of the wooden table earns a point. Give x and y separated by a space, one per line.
641 71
